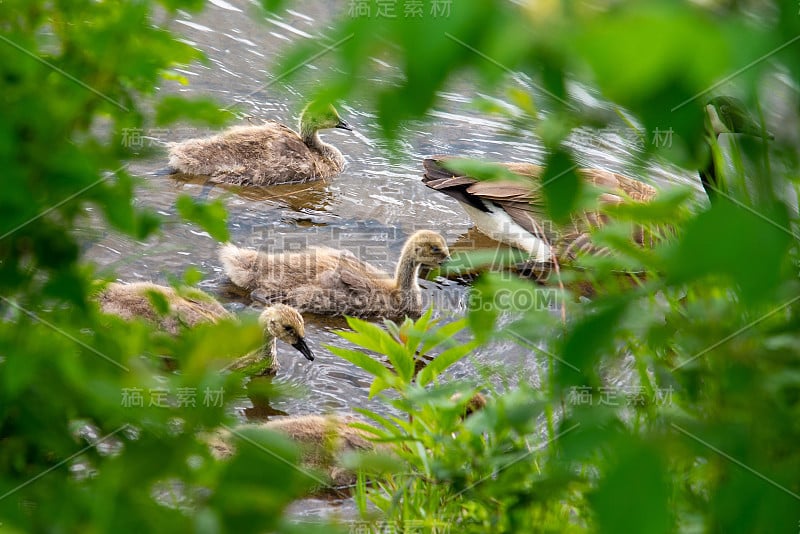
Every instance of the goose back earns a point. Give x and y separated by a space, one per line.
334 282
263 155
189 308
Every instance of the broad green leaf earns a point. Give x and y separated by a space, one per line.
191 276
159 302
201 110
443 361
374 338
211 216
587 341
359 359
748 245
483 170
442 334
648 507
367 335
561 186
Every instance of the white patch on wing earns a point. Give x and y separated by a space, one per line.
499 225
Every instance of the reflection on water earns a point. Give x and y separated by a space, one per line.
310 198
370 209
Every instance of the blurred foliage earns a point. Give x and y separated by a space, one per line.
95 434
712 320
707 442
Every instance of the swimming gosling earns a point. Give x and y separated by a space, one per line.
269 154
191 307
324 440
334 282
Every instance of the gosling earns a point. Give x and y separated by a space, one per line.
328 281
325 440
270 154
191 307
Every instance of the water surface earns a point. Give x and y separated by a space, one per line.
370 209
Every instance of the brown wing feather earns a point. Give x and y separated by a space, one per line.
524 203
618 184
438 177
528 217
503 190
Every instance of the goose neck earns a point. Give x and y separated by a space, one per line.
311 138
406 277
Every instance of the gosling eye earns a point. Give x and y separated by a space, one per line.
435 249
288 329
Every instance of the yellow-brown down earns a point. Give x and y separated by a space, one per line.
190 307
265 155
334 282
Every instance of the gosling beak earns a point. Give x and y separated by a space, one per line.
344 126
302 347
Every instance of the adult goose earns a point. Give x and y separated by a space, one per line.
334 282
269 154
191 307
513 212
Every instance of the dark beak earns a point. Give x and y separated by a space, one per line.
302 347
344 126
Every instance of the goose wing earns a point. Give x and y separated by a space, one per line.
438 177
523 201
270 140
613 184
193 309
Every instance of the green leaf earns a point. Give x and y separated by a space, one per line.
359 359
443 361
159 302
367 335
200 110
191 276
272 5
442 334
639 480
561 186
374 338
379 384
588 340
748 245
483 170
482 313
211 216
692 52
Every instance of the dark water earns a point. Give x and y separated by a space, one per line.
370 209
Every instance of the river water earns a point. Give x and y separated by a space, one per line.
369 209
